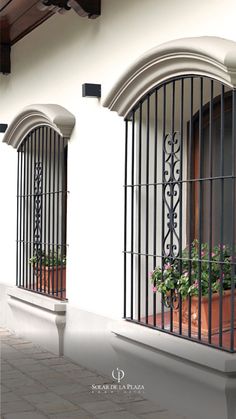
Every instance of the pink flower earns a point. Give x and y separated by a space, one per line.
185 274
154 289
167 266
195 284
203 253
150 273
213 254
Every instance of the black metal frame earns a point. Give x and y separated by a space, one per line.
41 213
157 134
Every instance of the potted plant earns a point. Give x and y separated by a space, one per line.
50 272
172 284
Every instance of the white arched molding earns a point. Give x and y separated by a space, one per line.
54 116
207 56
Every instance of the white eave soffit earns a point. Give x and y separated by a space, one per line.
207 56
54 116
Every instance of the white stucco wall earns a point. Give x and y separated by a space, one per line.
49 66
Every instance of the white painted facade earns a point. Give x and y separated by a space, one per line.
49 66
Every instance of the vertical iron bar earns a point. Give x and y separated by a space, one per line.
34 222
20 238
40 159
27 210
139 210
45 146
155 198
63 220
17 219
61 226
200 214
232 302
57 211
221 212
53 210
49 134
42 269
125 215
163 195
147 204
64 203
31 209
190 204
24 212
210 211
35 267
172 189
39 130
132 222
181 194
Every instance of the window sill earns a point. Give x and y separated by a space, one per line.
176 347
38 300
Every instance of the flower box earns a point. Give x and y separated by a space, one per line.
52 279
215 313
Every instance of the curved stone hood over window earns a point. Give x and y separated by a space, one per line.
54 116
208 56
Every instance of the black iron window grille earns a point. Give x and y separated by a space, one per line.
41 213
179 201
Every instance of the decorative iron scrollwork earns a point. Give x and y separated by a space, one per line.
171 191
38 175
171 200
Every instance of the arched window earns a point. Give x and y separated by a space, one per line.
180 210
178 100
40 133
41 212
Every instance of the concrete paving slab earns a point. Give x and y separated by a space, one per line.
84 397
64 389
32 389
118 415
56 406
77 414
16 406
142 406
97 407
9 397
25 415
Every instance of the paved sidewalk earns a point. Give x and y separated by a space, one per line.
36 384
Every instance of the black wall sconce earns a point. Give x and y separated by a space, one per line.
91 90
3 127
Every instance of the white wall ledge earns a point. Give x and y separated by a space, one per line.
38 300
183 349
38 318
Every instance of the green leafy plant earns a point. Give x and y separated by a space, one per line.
50 259
214 269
